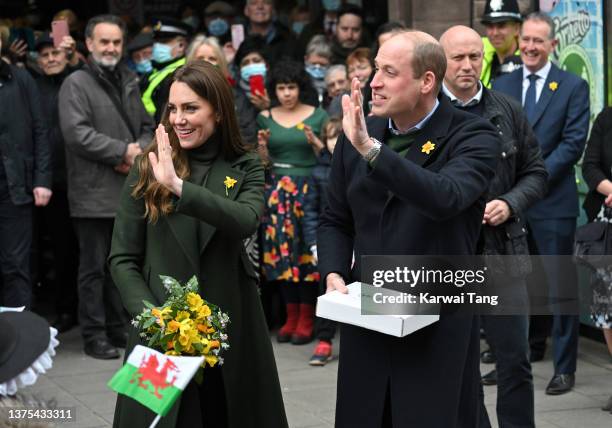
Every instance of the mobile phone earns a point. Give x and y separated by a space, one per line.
25 34
59 30
257 84
237 35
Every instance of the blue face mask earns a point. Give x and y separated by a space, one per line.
316 71
253 70
144 67
297 27
331 4
218 27
162 53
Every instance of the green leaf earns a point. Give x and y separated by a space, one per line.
148 323
148 304
192 284
167 338
168 281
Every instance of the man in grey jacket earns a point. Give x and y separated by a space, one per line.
105 126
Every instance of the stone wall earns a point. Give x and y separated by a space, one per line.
435 16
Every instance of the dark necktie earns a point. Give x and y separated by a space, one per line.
530 97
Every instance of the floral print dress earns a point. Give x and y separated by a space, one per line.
286 257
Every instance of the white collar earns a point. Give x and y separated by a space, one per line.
457 102
542 72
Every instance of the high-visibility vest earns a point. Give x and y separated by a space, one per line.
487 61
154 81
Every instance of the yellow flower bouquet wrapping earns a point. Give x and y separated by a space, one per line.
185 324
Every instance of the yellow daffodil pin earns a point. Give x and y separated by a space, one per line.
229 183
553 86
428 147
300 126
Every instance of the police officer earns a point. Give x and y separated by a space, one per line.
169 49
502 20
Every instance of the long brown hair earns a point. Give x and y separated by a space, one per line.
209 84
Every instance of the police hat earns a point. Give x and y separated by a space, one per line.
167 27
501 11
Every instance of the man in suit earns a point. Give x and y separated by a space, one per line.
410 180
557 106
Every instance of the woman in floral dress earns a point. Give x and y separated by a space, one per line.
283 140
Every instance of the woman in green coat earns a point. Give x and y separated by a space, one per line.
187 204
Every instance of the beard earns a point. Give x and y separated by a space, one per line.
106 61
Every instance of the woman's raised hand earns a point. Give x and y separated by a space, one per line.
162 165
313 140
260 101
263 136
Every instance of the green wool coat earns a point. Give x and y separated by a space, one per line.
142 251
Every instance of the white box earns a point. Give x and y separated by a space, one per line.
346 308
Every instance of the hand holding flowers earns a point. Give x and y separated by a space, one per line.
185 324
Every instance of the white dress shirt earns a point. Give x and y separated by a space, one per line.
543 73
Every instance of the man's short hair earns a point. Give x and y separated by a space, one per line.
267 1
319 46
352 10
104 19
332 69
428 56
543 17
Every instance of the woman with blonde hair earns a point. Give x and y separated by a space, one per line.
209 50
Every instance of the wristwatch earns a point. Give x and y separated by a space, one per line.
374 151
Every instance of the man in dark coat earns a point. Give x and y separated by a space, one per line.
54 219
25 177
422 192
280 41
519 182
556 103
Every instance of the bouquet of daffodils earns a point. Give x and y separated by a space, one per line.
185 324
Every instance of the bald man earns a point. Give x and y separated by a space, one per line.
520 181
411 179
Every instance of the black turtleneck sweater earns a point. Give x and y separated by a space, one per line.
202 157
200 161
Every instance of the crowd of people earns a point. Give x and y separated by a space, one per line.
326 135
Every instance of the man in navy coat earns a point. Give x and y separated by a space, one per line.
410 180
557 106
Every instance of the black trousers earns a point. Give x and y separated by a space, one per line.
100 307
54 221
507 336
15 244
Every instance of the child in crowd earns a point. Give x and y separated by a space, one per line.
314 204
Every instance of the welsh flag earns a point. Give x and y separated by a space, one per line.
154 379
